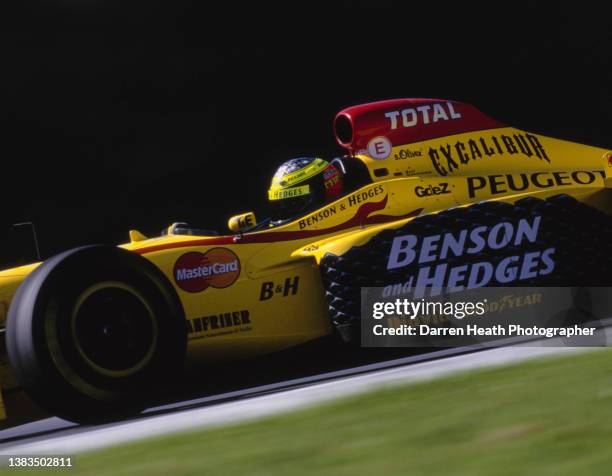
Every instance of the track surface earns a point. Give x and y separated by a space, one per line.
240 402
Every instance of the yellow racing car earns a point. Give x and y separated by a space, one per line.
429 193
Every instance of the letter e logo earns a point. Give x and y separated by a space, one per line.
379 148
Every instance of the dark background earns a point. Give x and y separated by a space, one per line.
119 115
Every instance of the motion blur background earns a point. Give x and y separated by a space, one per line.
119 115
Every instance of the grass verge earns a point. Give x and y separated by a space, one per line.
547 417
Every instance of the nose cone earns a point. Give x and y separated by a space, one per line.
8 286
10 280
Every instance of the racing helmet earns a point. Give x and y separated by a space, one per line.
301 185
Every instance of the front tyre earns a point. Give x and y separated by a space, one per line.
92 330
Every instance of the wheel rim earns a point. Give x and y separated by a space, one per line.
114 329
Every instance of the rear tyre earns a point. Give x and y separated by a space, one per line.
92 330
580 234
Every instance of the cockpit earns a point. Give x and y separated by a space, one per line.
354 175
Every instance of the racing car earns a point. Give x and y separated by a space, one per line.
436 193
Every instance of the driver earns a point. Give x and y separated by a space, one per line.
302 185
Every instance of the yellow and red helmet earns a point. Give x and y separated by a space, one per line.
301 185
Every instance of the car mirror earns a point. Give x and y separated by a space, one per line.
242 223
